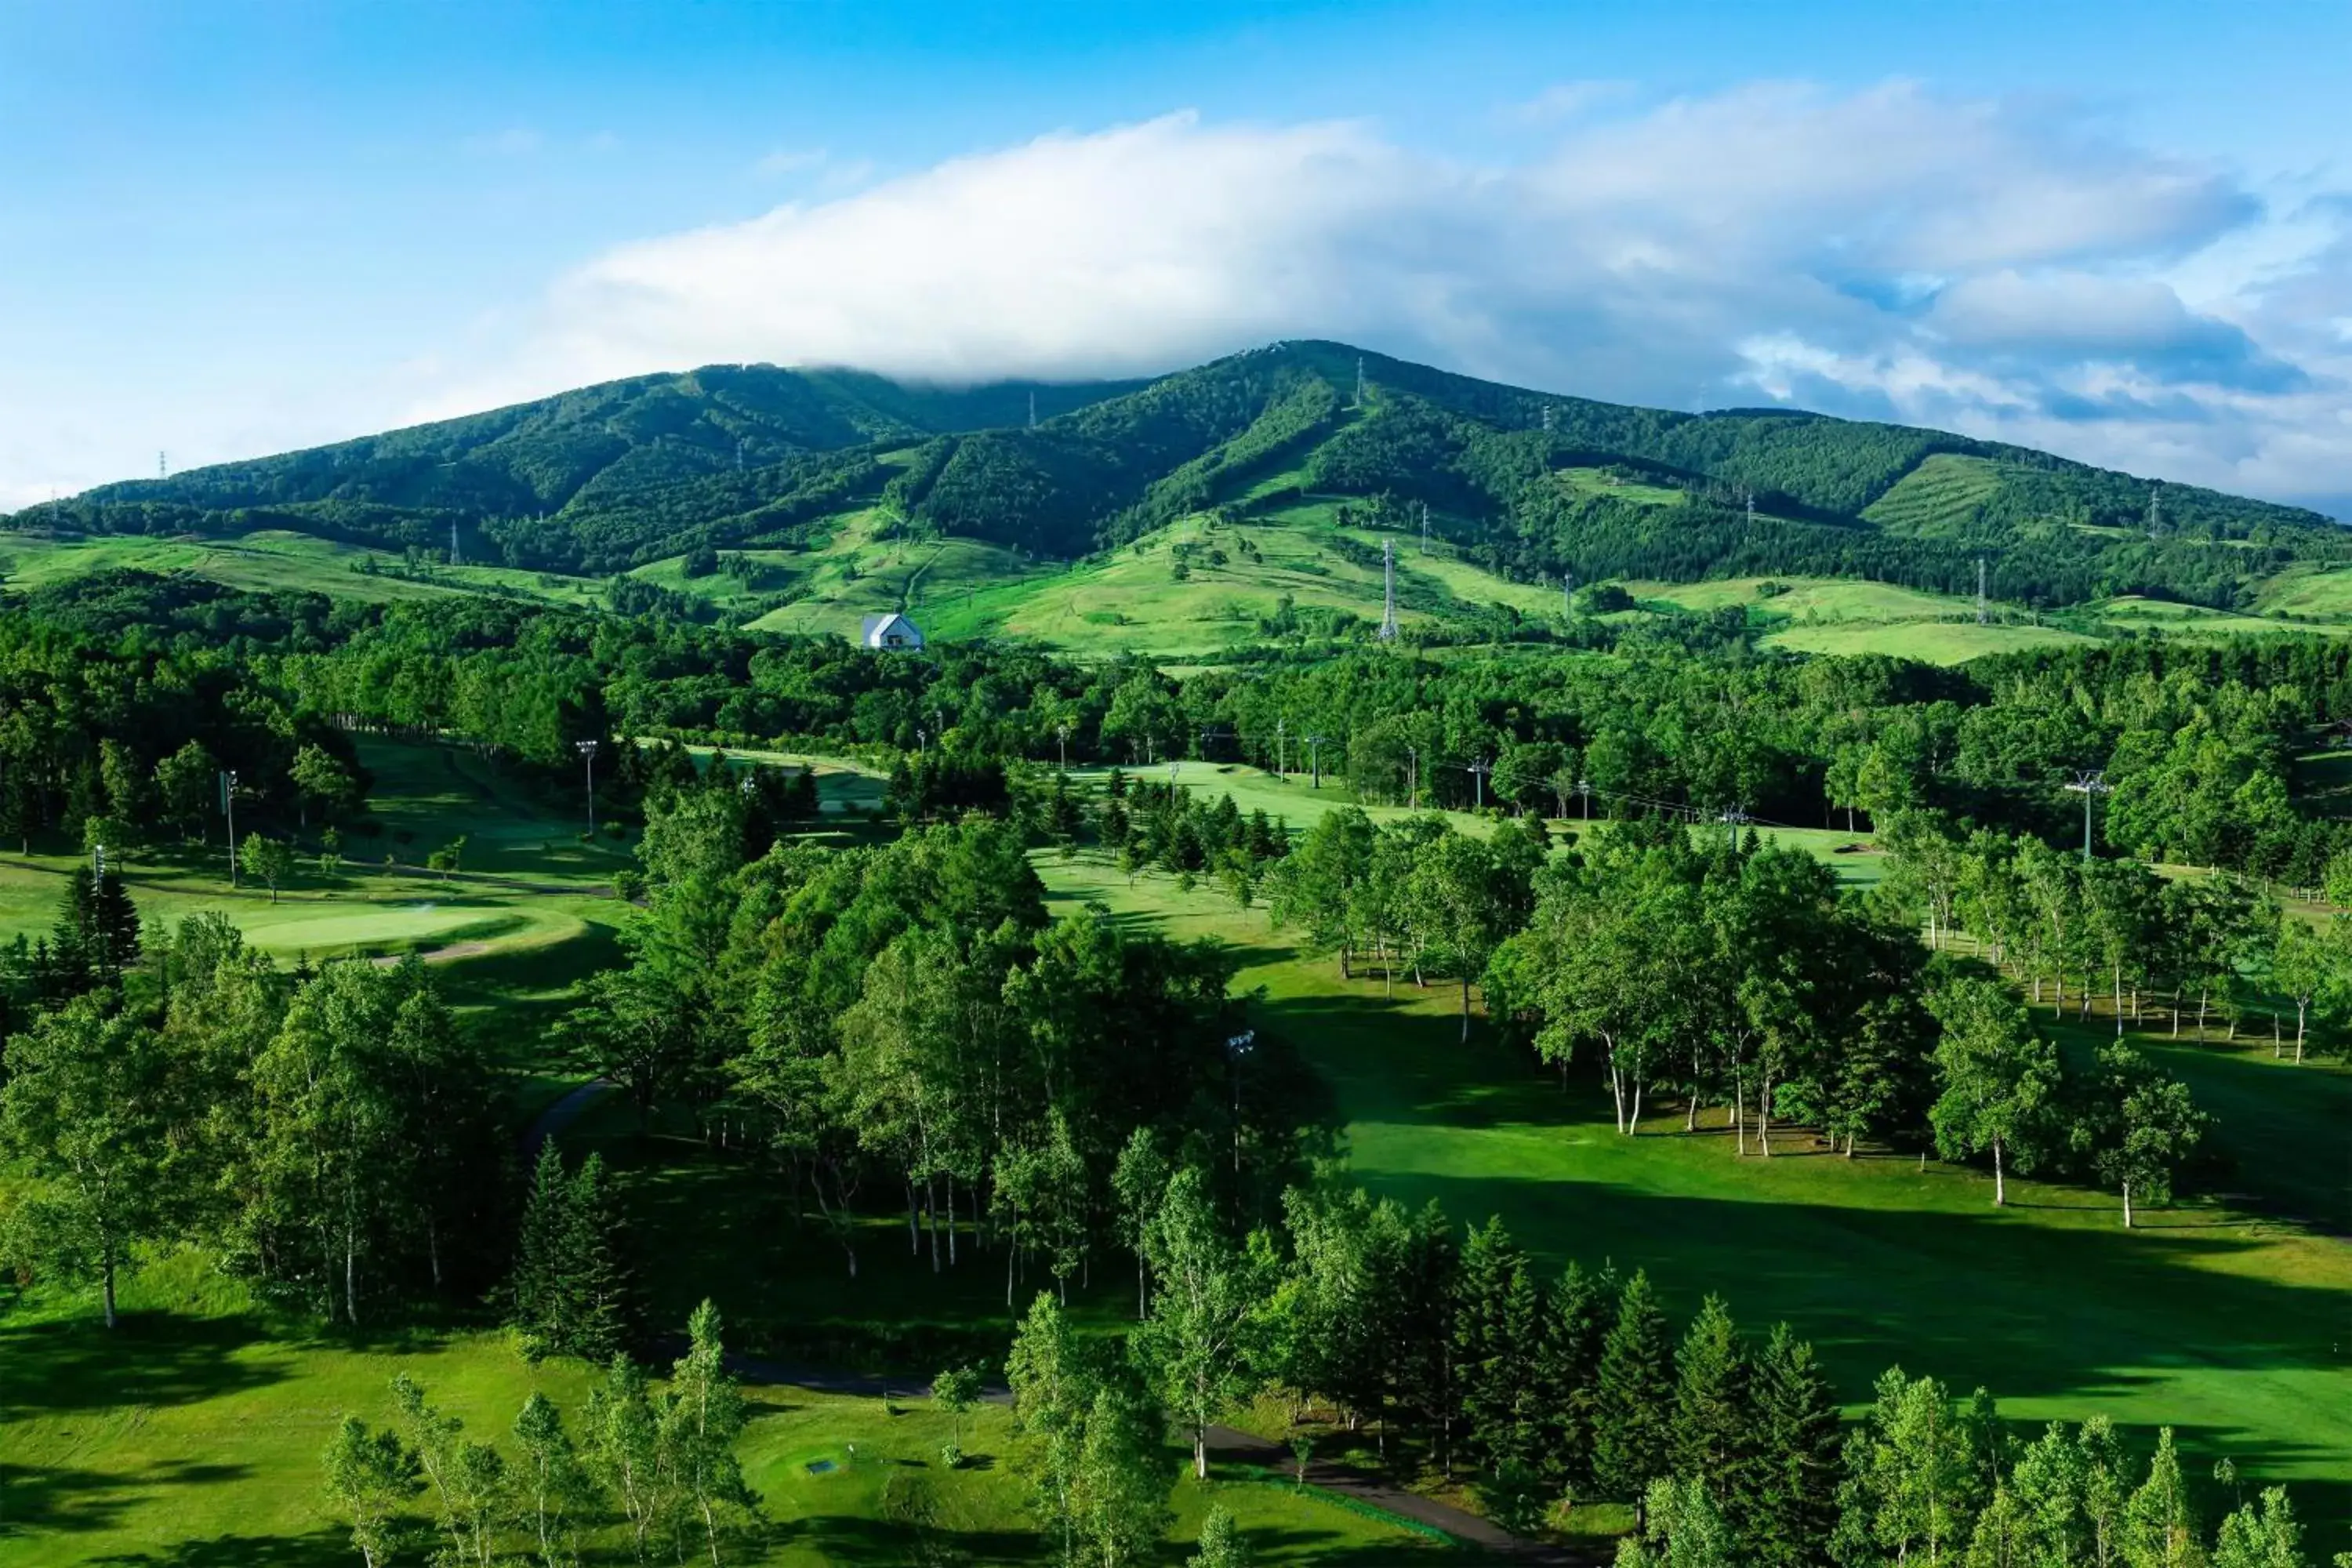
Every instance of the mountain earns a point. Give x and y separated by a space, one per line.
1528 484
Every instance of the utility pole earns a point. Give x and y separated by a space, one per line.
2089 783
1388 599
229 808
587 750
1478 772
1315 750
1413 778
1981 616
1063 731
1584 794
1278 726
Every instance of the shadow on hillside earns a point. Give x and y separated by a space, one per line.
324 1548
154 1358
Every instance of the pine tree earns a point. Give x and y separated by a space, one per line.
570 1293
534 1291
601 1292
1489 1366
1578 1317
1793 1503
1712 1438
1632 1429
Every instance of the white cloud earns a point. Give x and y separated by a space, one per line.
1977 263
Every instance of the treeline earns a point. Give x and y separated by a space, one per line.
2147 948
2197 742
1452 1354
1704 967
329 1134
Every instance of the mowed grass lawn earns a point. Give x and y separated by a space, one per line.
2232 1329
190 1439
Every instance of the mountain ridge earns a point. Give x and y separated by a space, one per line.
610 476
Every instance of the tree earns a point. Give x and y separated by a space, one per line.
469 1482
1137 1182
1794 1504
553 1483
269 860
700 1415
1913 1479
2263 1535
448 859
322 780
1202 1342
2159 1525
570 1293
1053 1391
2144 1126
1999 1078
1220 1544
1119 1492
84 1109
1714 1437
370 1474
1632 1414
956 1391
188 783
2307 965
624 1450
1684 1527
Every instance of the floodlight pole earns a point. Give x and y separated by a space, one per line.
228 805
587 750
2089 783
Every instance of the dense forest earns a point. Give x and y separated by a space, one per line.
611 477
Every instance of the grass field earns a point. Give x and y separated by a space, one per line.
1928 642
276 561
191 1438
1939 497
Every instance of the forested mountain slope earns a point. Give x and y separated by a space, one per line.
1526 483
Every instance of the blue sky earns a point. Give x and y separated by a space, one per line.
2124 233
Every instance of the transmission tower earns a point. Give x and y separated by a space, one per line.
1033 409
453 542
2154 517
1567 593
163 469
1751 508
1424 527
1359 381
1547 418
1982 616
1387 596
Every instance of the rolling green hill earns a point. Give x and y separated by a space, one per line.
1521 485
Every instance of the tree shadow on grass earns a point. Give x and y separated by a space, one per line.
153 1358
41 1501
323 1548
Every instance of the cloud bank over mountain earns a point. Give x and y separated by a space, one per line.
1995 267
